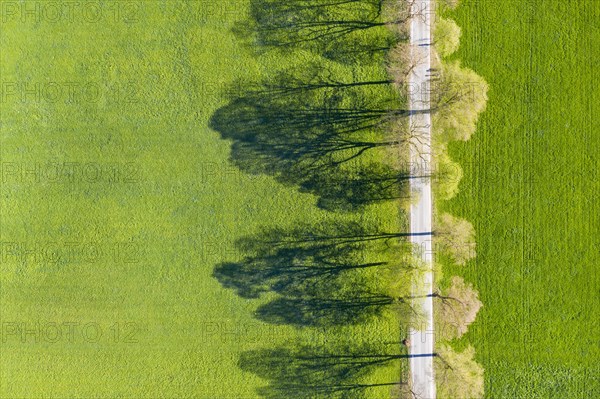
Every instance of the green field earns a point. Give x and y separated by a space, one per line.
196 200
530 188
117 202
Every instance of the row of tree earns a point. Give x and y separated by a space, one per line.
310 128
323 128
458 375
333 275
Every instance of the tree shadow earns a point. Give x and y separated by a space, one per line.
371 184
304 79
329 235
318 136
332 114
322 311
308 371
345 31
289 269
287 261
324 276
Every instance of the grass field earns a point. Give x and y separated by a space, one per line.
117 201
530 189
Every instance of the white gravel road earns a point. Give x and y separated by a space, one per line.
422 337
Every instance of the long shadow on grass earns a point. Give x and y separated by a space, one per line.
318 136
345 31
323 311
306 79
287 261
321 273
308 371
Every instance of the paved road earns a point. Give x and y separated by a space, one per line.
422 339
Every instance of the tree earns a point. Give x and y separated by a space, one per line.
401 61
458 98
458 309
457 374
456 237
446 36
448 175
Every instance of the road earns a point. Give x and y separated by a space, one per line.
421 337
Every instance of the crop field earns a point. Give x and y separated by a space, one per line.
530 188
129 209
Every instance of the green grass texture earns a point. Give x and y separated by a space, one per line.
530 188
117 201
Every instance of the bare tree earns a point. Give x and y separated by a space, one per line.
401 62
458 309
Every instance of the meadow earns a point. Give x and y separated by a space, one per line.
530 189
126 200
